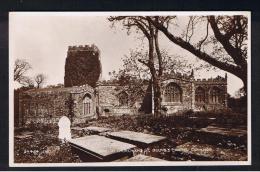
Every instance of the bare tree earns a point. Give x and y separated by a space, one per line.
20 68
134 76
141 25
27 82
229 39
39 79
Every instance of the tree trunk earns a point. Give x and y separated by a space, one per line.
157 98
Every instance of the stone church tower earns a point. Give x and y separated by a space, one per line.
82 66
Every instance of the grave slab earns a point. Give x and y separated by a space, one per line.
224 131
96 130
137 138
96 148
27 133
142 157
210 152
77 128
23 136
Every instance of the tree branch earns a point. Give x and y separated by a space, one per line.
233 52
202 55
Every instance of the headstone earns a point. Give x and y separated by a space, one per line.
137 138
64 128
96 148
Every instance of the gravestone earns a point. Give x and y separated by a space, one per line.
64 128
136 138
142 157
96 130
77 128
235 132
96 148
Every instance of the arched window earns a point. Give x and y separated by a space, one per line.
123 99
200 95
87 105
215 95
173 93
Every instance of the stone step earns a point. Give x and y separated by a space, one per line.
197 151
140 139
96 148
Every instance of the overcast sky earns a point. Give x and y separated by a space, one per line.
43 39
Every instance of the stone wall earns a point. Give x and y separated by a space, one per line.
107 95
208 84
108 101
78 96
43 106
49 104
189 86
186 89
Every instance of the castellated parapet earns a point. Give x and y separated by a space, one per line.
211 81
91 48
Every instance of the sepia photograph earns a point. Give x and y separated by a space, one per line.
129 88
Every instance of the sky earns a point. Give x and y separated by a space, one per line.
42 39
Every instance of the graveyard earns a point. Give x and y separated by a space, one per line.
196 136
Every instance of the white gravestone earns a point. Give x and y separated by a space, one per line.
64 128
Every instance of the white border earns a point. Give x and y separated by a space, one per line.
113 164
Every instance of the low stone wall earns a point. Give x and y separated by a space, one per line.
49 105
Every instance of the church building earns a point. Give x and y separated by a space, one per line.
82 100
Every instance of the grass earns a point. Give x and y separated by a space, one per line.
44 145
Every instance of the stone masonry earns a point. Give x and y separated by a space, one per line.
85 101
48 105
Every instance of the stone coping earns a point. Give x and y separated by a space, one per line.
97 129
100 146
136 137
